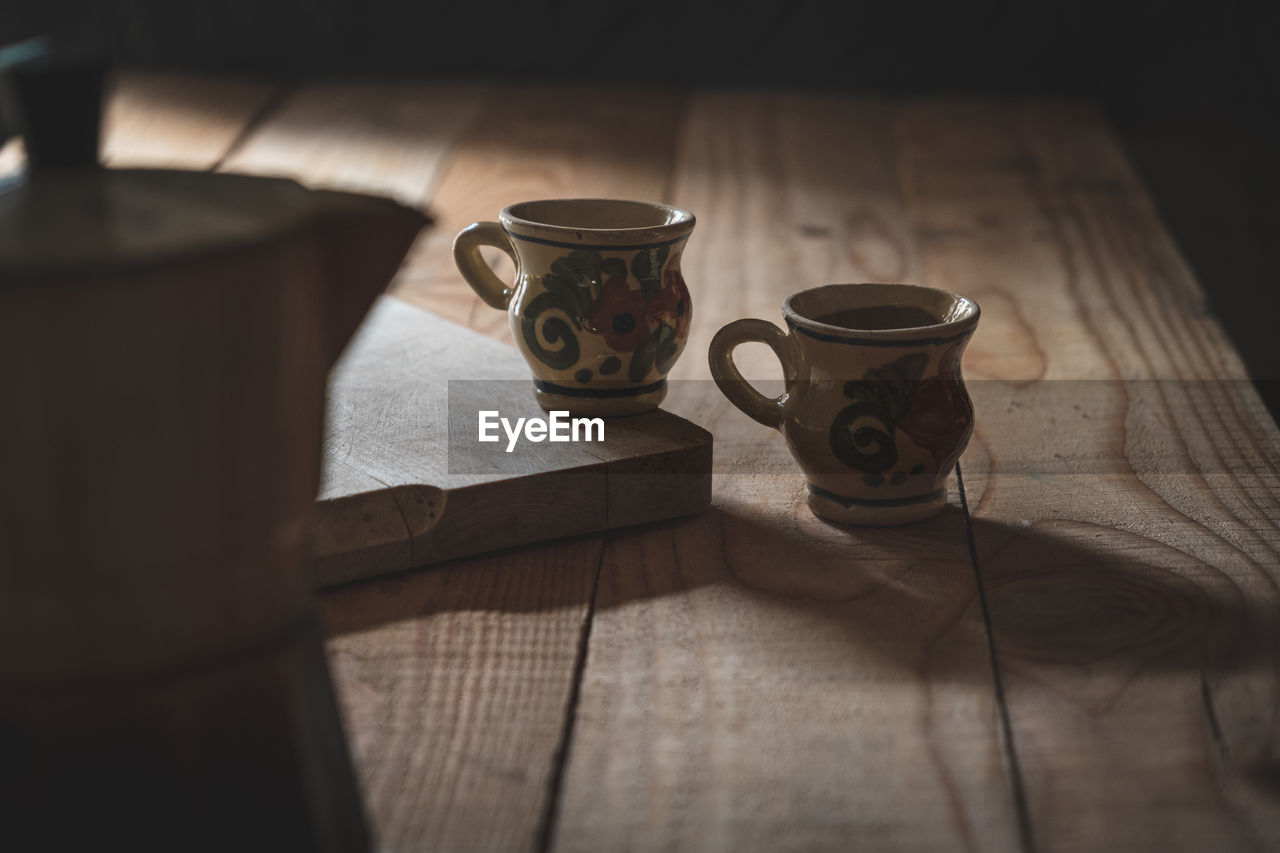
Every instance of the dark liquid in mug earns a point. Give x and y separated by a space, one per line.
879 318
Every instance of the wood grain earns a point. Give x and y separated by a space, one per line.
178 121
1124 490
407 484
456 681
758 679
168 120
754 678
538 141
791 191
385 138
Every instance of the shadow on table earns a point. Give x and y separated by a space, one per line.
904 597
1078 595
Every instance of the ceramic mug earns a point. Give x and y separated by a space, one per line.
874 408
598 308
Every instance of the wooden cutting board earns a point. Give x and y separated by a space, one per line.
406 482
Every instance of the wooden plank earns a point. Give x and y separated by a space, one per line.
178 121
453 684
406 483
168 120
456 680
758 679
538 141
386 138
1124 487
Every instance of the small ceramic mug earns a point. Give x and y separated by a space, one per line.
598 308
874 408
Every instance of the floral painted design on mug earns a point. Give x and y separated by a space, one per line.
598 307
939 412
586 291
862 434
935 413
875 410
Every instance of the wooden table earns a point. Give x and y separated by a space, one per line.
1081 653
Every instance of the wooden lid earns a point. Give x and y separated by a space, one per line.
74 222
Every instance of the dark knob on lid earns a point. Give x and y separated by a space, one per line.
53 90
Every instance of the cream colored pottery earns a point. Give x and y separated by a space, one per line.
874 409
598 307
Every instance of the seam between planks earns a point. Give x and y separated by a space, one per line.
555 785
560 758
282 93
1025 836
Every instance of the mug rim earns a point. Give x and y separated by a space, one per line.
960 318
674 224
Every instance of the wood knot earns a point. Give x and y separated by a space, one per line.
1079 615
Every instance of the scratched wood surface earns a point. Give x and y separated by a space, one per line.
405 484
1123 488
758 679
451 692
755 679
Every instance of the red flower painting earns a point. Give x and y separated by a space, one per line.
620 315
672 302
587 292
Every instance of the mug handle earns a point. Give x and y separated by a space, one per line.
770 411
466 254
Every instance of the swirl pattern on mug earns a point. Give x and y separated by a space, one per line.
587 292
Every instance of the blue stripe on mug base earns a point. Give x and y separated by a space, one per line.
598 393
850 502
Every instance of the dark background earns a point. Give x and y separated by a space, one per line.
1192 89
